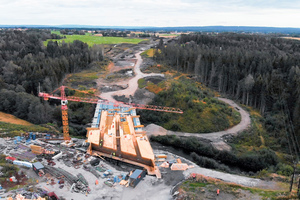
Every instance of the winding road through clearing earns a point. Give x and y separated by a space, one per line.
216 137
132 83
152 129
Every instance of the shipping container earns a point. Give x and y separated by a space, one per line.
136 177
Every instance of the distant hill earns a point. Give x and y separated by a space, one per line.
248 29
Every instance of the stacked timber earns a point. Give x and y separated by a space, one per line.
36 149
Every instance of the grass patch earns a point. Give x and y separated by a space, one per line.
148 53
92 40
253 138
202 112
152 87
8 118
197 184
158 69
12 130
203 187
142 83
56 32
86 80
83 76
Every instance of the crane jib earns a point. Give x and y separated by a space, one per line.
64 107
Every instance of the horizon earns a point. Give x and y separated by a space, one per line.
81 26
151 13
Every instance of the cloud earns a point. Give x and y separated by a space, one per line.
152 12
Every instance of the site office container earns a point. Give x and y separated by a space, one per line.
22 163
37 167
136 177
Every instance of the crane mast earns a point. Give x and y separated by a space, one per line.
64 114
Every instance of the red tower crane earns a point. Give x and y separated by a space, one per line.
64 108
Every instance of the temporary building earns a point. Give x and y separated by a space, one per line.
22 163
136 177
37 167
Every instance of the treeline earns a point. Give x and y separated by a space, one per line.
25 63
258 70
25 106
205 155
71 32
113 33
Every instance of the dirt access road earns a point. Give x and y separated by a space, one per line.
132 83
217 136
214 137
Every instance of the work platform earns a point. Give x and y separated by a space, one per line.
116 133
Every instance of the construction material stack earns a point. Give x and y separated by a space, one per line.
36 149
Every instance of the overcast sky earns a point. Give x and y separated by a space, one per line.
271 13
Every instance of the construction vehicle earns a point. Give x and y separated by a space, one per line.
64 108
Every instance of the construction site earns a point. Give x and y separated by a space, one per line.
114 159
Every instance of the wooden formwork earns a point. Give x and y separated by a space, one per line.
36 149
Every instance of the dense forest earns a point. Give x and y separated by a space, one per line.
261 71
25 63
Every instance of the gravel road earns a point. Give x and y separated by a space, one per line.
217 136
214 137
132 83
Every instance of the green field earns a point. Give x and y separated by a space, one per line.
56 32
91 39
